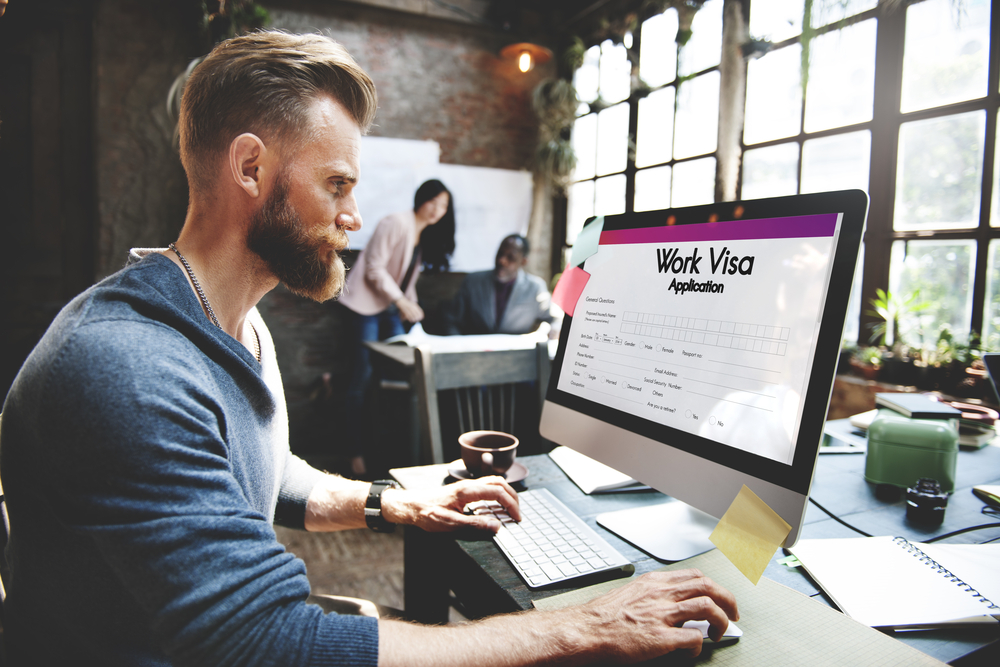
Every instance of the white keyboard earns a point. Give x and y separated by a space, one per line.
550 544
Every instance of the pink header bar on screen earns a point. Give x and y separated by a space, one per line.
800 226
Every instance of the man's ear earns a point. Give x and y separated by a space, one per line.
247 155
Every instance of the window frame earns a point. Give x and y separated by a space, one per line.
884 127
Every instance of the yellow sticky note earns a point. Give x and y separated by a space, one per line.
749 533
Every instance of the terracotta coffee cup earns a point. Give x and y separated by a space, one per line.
488 452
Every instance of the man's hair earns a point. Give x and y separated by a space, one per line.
264 83
520 240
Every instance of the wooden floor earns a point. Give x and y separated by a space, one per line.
355 563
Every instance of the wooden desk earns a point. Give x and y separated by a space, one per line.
484 583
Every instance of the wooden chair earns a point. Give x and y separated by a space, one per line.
483 385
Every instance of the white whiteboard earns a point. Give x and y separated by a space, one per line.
489 203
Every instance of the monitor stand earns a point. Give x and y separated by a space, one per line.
671 531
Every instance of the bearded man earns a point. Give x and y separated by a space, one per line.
145 441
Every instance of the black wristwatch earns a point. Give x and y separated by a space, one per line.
373 508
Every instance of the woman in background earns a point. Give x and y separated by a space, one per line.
381 289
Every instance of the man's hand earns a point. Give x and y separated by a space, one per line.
642 620
441 509
409 311
631 624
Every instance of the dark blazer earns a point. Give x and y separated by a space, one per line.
473 310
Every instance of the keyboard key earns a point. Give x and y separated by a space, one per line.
551 544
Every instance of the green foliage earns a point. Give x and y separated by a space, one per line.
233 17
555 103
890 308
948 351
870 356
574 54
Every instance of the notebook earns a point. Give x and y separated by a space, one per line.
891 582
592 476
917 406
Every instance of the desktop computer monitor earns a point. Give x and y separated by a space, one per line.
700 357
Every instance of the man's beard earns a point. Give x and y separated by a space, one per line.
307 264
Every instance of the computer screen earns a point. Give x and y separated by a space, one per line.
701 352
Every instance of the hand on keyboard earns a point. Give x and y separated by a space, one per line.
550 544
441 509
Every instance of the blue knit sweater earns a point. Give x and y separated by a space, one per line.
144 457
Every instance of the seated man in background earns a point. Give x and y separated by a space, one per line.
505 300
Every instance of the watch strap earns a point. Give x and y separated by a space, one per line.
373 507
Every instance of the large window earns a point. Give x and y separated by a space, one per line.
651 144
900 101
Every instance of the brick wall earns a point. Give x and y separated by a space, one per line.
438 79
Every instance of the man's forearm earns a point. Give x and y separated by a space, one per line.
632 623
562 637
336 504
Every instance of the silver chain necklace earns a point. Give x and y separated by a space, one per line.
207 305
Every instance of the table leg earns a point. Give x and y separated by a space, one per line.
425 593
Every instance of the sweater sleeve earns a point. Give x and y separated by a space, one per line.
138 474
296 485
384 249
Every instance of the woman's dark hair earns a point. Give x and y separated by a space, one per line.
437 241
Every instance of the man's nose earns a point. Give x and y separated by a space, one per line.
349 219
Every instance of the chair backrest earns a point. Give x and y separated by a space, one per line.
484 386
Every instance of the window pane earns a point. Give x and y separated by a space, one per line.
771 172
652 189
587 78
609 195
991 318
612 139
616 72
775 20
658 60
655 141
704 49
579 207
939 172
585 146
841 89
774 96
839 162
947 51
825 13
995 207
697 116
694 183
941 273
851 325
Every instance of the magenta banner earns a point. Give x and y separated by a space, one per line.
802 226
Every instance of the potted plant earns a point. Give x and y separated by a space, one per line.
867 362
952 366
899 366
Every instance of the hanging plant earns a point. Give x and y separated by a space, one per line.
222 19
555 104
228 18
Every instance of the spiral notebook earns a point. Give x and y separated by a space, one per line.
891 582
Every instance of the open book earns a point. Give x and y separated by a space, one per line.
890 582
592 476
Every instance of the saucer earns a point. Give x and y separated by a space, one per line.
516 473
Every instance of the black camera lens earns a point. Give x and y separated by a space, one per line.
925 502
